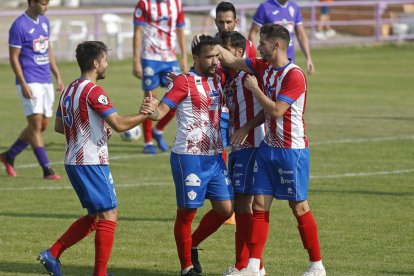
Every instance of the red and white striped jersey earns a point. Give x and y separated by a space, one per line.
160 19
198 101
288 84
82 106
243 107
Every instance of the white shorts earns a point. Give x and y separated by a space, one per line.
42 100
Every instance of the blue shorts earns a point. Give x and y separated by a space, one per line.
241 165
325 9
94 186
154 73
283 173
199 177
224 125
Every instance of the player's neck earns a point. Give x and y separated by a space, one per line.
280 62
90 76
32 14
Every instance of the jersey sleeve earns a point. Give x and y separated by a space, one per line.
257 65
260 16
251 51
140 14
99 102
180 15
15 36
298 18
176 92
294 85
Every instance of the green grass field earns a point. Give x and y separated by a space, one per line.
360 121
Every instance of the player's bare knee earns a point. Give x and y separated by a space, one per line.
299 208
109 215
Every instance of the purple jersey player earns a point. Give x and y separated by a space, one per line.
287 14
32 61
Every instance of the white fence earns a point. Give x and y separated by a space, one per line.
356 22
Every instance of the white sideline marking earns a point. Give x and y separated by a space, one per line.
139 184
341 141
363 140
402 171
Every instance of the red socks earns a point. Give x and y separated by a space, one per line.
104 239
164 121
259 231
76 232
182 234
242 235
309 234
208 225
147 129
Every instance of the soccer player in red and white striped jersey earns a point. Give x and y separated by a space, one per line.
158 24
85 116
198 169
246 133
282 163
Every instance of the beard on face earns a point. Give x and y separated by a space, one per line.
101 75
210 71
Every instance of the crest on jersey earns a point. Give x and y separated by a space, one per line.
103 99
45 28
192 195
138 12
41 44
292 11
148 82
192 180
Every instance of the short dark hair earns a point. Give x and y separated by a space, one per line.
29 1
275 31
205 40
87 52
225 7
234 39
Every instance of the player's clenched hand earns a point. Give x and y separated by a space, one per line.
137 70
239 136
59 85
171 76
251 83
149 104
27 93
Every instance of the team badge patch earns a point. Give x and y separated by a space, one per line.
191 195
138 12
291 11
103 100
45 28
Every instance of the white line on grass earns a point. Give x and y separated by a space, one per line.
341 141
149 183
363 140
402 171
